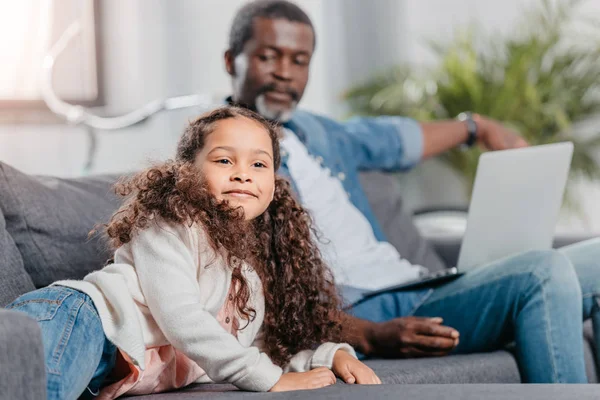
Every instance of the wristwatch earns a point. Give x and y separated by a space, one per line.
467 118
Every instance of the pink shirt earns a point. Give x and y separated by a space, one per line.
166 368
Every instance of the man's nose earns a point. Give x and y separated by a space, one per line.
283 69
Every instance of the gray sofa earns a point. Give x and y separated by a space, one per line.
44 223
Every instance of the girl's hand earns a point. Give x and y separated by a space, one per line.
313 379
351 370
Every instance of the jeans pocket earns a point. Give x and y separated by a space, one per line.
41 304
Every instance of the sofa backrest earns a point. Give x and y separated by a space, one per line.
45 224
14 280
384 193
48 220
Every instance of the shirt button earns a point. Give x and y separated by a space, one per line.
341 176
227 320
319 160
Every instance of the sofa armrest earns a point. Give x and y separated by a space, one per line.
448 247
22 368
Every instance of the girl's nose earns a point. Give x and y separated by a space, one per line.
241 176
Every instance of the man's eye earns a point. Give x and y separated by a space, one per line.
265 57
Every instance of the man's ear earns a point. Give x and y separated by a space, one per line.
229 63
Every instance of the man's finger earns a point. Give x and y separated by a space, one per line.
434 342
521 143
425 327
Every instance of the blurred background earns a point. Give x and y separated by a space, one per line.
533 64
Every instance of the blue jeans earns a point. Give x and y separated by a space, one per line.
537 299
77 353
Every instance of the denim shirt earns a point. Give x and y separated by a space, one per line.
360 144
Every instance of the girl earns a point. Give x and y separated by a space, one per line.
215 279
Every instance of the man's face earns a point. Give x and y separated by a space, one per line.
271 73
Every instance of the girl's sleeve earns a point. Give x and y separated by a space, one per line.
167 273
321 357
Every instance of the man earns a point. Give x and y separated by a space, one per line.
534 299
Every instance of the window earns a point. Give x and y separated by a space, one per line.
29 29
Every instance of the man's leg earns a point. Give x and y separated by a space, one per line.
389 305
533 299
585 257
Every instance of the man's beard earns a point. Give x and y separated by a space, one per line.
279 115
274 115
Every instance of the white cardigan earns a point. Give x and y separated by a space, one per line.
166 287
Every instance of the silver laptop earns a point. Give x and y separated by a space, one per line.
514 208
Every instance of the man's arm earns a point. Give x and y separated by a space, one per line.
358 333
400 337
439 137
398 143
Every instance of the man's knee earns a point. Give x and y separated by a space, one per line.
585 248
551 268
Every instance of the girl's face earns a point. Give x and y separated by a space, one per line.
237 163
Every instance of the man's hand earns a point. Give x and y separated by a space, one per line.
314 379
351 370
412 337
492 135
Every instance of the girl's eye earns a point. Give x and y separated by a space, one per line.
259 165
223 161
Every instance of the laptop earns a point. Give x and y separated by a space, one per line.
514 208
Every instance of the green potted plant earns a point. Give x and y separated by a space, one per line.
540 82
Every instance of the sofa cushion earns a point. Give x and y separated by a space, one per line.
50 218
494 367
384 195
14 280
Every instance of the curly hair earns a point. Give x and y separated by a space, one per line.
299 289
301 303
